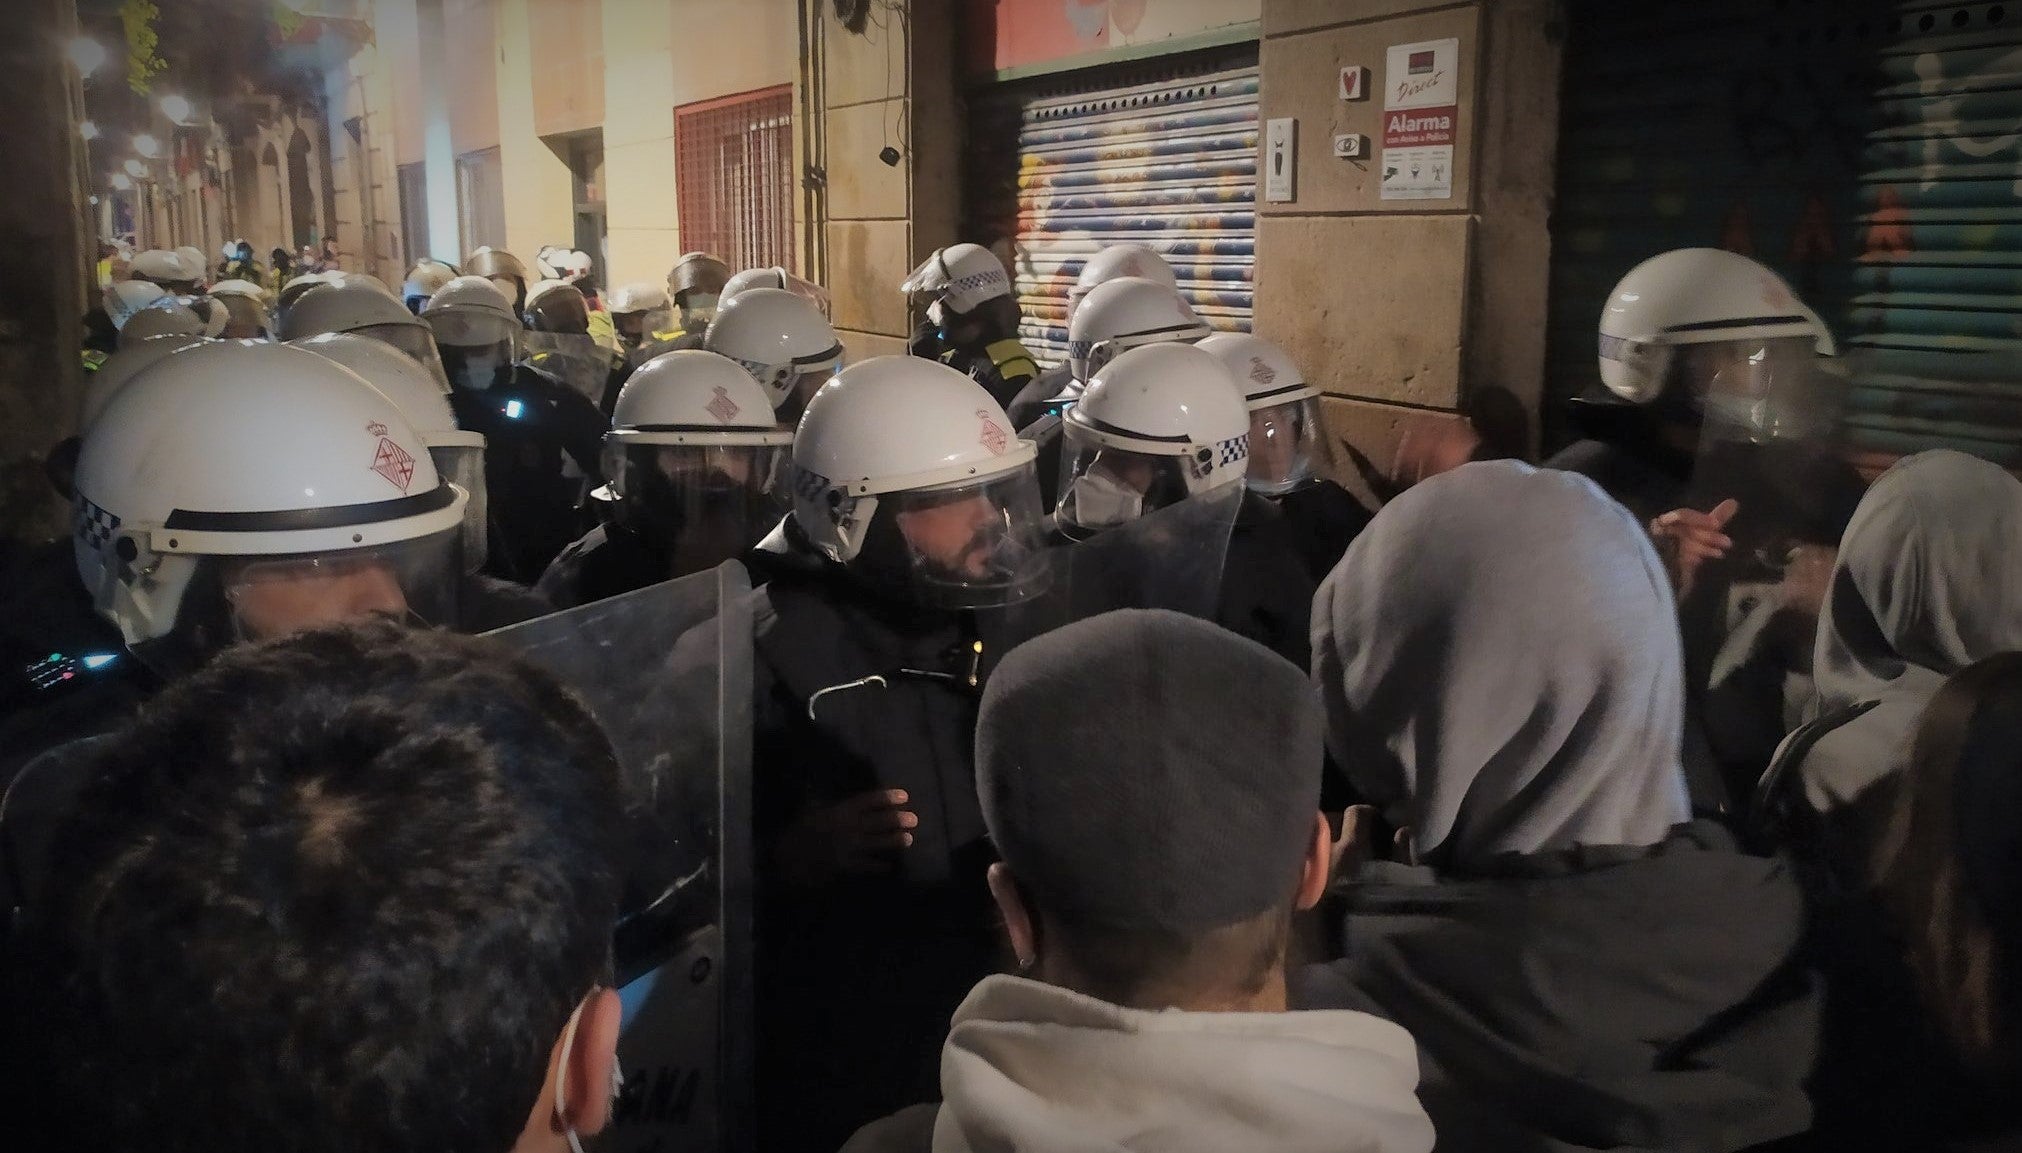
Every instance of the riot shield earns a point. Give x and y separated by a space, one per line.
1170 558
1768 441
667 671
573 359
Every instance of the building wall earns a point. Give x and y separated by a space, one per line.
894 85
1413 311
42 227
1010 34
538 203
364 182
657 56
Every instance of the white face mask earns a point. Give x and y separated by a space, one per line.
479 370
1099 500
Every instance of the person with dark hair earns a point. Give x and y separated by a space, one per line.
1582 965
361 877
1158 834
1924 951
280 270
914 513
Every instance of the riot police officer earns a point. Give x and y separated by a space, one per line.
542 438
914 508
971 321
694 455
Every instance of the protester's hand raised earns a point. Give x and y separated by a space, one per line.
859 835
1688 538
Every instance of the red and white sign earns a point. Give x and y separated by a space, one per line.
1421 119
1419 127
1354 82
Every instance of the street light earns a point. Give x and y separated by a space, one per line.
88 130
122 181
87 54
136 169
176 107
147 146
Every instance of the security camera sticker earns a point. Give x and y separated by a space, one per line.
992 435
1260 372
390 460
723 408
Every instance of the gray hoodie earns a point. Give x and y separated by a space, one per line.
1034 1068
1499 658
1928 581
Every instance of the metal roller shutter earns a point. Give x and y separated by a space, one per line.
1938 280
1869 151
1728 124
1161 153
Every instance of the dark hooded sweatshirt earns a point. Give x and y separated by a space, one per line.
1591 999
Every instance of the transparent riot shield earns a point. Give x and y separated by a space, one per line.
667 671
1170 558
572 359
1768 441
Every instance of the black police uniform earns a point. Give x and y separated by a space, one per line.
533 425
857 978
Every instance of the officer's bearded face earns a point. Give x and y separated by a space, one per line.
275 598
960 536
631 328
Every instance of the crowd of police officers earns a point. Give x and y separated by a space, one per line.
489 444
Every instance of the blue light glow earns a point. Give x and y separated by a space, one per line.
513 409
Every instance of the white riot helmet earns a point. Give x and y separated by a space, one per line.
477 331
196 270
1714 337
1695 296
367 311
458 454
780 340
245 304
696 458
123 298
424 280
164 268
1158 425
1126 313
122 366
774 277
908 473
165 317
1288 439
251 489
640 313
958 278
1116 262
503 269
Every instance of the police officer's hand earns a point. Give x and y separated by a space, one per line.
859 835
1687 538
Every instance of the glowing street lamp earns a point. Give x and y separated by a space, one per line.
122 181
136 169
87 54
88 130
147 146
176 107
